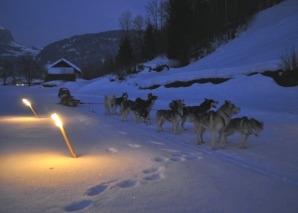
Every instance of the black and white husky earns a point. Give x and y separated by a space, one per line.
215 121
120 100
245 126
204 107
140 108
173 115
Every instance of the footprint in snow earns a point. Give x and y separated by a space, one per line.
153 169
77 206
96 190
153 174
154 177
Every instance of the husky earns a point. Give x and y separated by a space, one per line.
119 100
215 121
140 108
245 126
145 107
173 115
125 109
109 104
204 107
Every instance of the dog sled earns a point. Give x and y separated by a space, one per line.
66 98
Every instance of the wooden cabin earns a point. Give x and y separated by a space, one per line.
62 69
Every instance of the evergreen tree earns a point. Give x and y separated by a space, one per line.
149 49
179 30
6 70
125 58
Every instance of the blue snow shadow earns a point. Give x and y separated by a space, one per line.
96 190
77 206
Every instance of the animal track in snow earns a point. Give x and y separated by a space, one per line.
77 206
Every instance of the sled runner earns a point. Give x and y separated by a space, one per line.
66 98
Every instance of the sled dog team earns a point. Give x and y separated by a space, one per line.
219 122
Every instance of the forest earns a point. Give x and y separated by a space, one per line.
181 30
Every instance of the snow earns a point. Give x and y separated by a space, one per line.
273 32
129 167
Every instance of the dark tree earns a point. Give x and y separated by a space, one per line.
6 69
125 58
179 30
149 49
29 68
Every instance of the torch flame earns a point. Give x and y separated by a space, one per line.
59 124
25 101
57 120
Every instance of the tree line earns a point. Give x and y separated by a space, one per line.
181 30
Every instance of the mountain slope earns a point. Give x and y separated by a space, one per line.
82 49
273 32
9 48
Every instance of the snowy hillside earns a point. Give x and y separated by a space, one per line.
272 33
10 48
123 166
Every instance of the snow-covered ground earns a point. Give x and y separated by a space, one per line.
129 167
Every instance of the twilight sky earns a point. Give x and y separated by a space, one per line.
41 22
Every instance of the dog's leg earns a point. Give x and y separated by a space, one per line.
222 139
243 139
225 138
183 119
114 108
126 115
160 124
134 116
159 128
175 126
147 120
213 140
200 131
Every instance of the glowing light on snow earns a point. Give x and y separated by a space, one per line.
27 103
57 120
59 124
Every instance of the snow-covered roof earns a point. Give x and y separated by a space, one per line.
66 61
